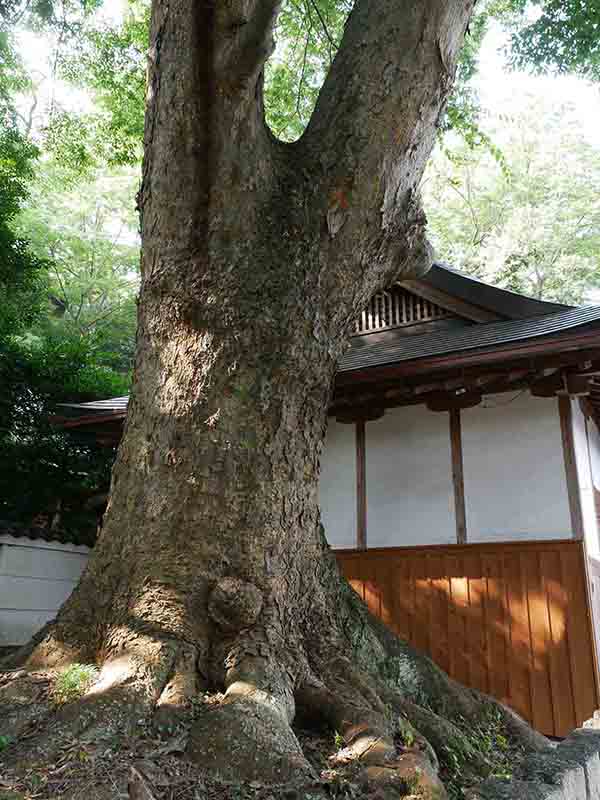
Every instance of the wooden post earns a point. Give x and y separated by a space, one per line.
566 429
361 488
458 480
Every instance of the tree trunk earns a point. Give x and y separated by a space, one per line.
212 571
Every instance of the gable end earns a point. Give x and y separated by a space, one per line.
397 307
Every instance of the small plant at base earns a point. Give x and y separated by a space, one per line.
5 741
409 785
406 732
73 682
338 740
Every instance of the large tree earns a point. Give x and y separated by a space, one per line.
212 570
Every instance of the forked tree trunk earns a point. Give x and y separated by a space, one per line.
212 569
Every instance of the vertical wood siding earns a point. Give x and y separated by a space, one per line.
512 620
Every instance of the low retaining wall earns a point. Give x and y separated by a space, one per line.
36 577
569 771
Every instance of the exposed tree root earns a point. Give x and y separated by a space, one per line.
385 743
399 722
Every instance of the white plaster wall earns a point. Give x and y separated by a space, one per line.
410 498
583 461
36 577
594 441
515 484
337 485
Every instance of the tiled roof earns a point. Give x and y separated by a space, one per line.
394 348
100 406
491 298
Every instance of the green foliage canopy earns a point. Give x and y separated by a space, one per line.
563 36
530 222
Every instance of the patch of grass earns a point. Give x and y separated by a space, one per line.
73 682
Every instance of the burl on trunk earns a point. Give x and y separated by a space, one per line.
212 571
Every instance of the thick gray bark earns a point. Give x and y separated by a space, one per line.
212 568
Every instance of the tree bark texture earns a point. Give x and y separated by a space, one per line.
212 570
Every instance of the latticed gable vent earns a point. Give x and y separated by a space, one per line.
395 308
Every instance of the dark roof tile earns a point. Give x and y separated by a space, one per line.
400 348
501 301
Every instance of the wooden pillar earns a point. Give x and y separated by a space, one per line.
361 487
568 444
458 480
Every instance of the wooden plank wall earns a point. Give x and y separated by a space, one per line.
510 619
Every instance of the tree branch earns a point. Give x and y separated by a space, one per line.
248 37
332 44
375 121
204 118
300 89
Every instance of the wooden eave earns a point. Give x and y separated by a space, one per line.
556 366
89 420
428 341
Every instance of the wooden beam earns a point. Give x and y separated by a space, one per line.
564 382
91 419
360 413
547 385
445 401
577 384
361 487
458 480
566 429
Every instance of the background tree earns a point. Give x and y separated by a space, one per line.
110 59
563 35
49 250
47 477
74 344
529 219
86 231
20 270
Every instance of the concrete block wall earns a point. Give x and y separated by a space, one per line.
36 577
568 771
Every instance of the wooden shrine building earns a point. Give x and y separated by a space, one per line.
460 484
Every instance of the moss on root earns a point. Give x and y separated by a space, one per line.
490 740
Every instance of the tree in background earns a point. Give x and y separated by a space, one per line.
86 231
110 60
21 272
528 220
75 344
562 36
558 262
61 278
46 476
